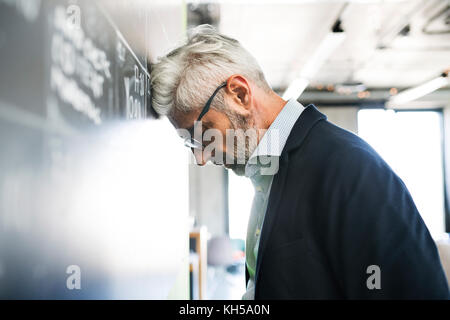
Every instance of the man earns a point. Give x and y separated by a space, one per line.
330 220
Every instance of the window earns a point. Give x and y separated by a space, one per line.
411 143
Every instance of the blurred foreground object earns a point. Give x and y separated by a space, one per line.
86 207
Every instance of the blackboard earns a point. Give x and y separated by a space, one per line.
91 73
94 75
75 111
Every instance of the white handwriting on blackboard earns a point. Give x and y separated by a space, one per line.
69 91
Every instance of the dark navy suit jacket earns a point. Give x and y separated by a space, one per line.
336 208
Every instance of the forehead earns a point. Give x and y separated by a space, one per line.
183 120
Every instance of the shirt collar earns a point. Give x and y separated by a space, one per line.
273 141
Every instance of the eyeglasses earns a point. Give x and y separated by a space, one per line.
191 142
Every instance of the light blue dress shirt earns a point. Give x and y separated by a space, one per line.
261 167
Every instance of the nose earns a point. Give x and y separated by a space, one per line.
200 158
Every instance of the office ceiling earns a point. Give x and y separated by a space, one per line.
388 43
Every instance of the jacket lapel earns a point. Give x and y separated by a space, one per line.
309 117
274 199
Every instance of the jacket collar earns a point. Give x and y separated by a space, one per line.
309 117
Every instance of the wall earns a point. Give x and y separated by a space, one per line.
447 161
344 117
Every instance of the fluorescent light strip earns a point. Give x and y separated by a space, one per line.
296 88
323 52
417 92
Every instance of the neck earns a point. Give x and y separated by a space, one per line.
271 106
268 107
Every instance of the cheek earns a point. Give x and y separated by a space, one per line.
220 141
220 122
222 126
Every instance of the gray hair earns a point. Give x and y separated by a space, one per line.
185 78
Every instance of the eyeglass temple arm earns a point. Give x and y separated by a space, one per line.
208 103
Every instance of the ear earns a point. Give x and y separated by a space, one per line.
240 90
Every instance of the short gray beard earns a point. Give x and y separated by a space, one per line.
238 122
